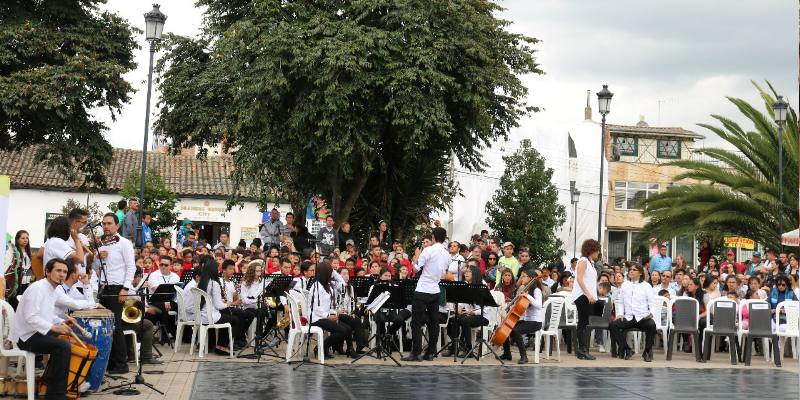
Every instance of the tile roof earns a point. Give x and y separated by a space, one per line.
183 174
654 131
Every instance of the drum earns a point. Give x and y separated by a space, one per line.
79 365
6 384
100 323
21 385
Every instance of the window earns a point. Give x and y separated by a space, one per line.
627 195
573 153
640 251
670 149
627 146
617 245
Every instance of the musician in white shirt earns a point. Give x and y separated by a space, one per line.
432 263
234 302
36 327
143 329
209 283
531 320
469 315
116 253
60 236
163 275
323 312
69 296
188 300
637 305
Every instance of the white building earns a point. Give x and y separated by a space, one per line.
38 192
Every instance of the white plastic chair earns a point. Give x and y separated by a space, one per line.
29 358
741 332
203 328
556 304
493 317
662 301
136 344
792 328
299 331
183 321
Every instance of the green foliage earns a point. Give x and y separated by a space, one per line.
95 213
525 208
751 207
158 200
58 61
301 89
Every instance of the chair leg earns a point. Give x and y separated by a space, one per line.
732 348
776 351
194 340
748 350
30 373
536 347
706 353
670 342
696 345
178 338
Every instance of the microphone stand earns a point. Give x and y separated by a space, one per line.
102 280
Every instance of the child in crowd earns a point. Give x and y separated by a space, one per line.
664 293
603 289
751 295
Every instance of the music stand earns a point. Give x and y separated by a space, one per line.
186 276
165 293
396 297
276 287
455 292
361 285
481 295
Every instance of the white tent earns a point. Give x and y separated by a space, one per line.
552 142
791 238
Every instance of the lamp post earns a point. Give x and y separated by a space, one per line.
604 100
779 108
576 197
154 25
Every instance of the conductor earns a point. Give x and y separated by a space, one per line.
432 263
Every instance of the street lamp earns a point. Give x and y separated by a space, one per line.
154 26
779 108
604 100
576 197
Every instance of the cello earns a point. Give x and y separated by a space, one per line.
518 306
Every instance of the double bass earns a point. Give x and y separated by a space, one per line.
519 304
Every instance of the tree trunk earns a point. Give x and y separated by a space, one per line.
352 195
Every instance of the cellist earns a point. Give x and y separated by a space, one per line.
531 320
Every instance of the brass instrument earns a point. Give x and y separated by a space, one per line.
283 323
132 311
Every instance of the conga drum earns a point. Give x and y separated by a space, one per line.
79 365
100 323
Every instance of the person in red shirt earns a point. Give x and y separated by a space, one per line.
731 261
187 260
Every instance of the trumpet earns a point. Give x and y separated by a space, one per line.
132 311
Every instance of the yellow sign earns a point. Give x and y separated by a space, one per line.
739 242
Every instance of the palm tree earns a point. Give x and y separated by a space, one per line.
751 207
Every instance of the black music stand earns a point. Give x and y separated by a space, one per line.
455 292
361 285
186 276
165 293
481 295
276 287
396 297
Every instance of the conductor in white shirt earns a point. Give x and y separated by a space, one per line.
637 305
37 328
433 262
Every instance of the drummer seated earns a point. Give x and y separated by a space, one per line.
71 298
143 329
36 327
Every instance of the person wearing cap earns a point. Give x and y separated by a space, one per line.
662 261
507 261
731 261
756 263
349 251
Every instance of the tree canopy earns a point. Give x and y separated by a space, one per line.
314 95
59 60
525 209
741 198
158 200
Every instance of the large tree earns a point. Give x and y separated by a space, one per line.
59 60
315 95
741 199
525 208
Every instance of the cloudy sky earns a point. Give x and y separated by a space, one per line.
685 55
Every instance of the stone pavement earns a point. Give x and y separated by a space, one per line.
218 374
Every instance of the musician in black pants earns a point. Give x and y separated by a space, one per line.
116 253
432 263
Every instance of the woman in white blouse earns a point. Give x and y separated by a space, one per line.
209 282
584 294
323 311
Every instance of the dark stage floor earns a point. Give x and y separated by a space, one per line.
231 380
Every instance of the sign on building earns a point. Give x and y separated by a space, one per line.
739 242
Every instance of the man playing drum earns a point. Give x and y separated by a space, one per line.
36 327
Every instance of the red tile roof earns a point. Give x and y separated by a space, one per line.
183 174
654 131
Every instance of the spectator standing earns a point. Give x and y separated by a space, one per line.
327 237
286 229
345 235
705 253
271 230
662 261
147 233
224 242
122 208
508 261
131 221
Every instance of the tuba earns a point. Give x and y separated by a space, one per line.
132 311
